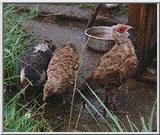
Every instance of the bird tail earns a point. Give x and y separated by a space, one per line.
23 79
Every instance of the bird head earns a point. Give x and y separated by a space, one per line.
121 28
51 44
49 89
120 32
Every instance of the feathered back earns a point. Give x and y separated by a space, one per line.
61 70
116 65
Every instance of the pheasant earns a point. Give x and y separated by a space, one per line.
61 71
34 63
120 62
117 65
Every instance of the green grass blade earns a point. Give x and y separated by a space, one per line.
98 124
151 117
93 107
131 126
116 122
144 129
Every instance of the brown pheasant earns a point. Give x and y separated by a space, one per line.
120 62
61 71
115 66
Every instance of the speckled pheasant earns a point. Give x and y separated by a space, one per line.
120 62
61 71
115 66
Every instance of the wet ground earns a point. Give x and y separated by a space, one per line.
134 97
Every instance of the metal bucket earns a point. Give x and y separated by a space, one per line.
100 38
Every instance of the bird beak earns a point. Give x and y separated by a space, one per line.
118 25
129 27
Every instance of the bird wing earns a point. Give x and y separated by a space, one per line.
129 68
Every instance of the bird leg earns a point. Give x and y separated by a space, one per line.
112 103
107 101
106 104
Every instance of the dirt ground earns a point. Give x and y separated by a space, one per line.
135 98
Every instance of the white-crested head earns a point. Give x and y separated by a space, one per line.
41 47
120 32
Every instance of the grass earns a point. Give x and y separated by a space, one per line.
23 117
27 117
18 117
122 9
87 6
15 42
114 123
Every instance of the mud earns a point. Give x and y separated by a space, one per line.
132 99
135 97
73 12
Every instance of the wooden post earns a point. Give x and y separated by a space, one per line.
143 17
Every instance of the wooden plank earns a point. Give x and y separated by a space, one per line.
143 18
